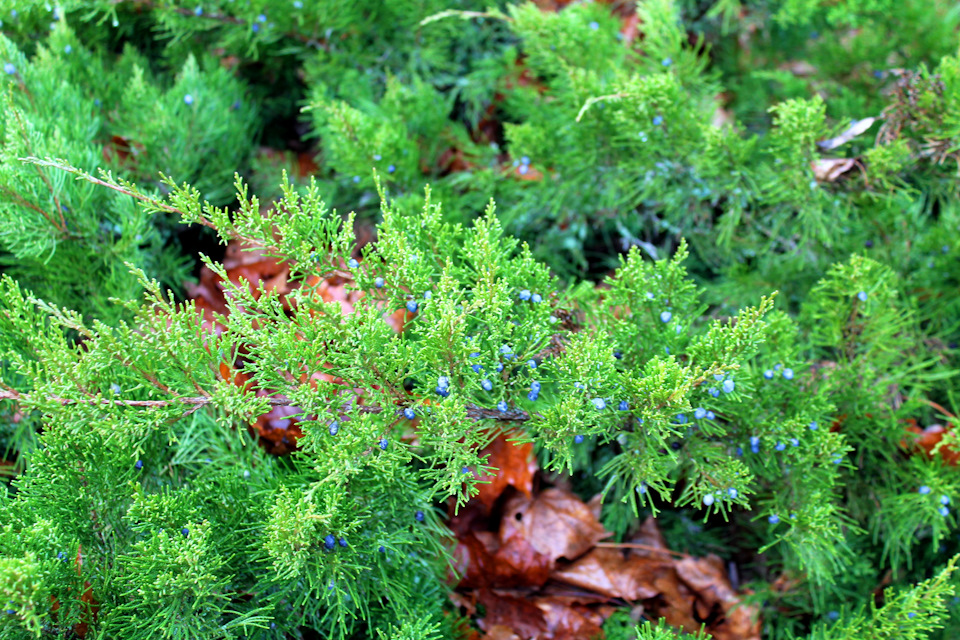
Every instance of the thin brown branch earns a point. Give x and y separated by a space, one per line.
18 198
103 183
62 227
938 407
474 412
162 206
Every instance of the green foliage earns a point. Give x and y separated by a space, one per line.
683 167
66 101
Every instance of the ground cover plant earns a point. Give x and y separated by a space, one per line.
462 320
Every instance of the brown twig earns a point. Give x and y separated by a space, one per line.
18 198
938 407
62 227
474 412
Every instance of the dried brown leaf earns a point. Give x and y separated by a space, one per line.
829 169
708 578
609 572
515 465
650 537
557 523
500 632
518 614
569 621
524 564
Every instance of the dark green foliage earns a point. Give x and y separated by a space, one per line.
71 239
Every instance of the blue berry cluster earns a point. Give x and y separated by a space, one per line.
443 386
534 391
787 373
525 295
727 386
700 413
944 508
523 165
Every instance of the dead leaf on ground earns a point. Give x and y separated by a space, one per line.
500 632
483 562
830 169
523 559
515 465
653 543
523 562
519 614
927 440
708 577
557 523
611 573
569 621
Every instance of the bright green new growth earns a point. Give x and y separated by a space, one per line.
151 390
253 524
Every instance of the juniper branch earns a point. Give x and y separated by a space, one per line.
473 411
